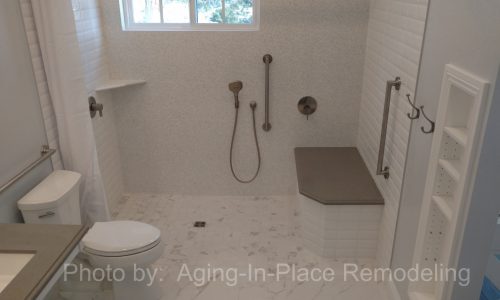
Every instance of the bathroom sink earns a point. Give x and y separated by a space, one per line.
10 265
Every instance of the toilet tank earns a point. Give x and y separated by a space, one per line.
55 200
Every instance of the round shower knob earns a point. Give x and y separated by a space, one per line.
307 105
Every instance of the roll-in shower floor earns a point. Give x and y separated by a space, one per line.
240 232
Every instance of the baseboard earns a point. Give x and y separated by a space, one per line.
392 290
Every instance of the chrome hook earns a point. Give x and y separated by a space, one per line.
414 109
433 124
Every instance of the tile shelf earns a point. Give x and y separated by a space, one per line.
443 203
451 167
459 134
117 83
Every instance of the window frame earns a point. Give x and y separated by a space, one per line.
128 23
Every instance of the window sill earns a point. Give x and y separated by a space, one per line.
190 27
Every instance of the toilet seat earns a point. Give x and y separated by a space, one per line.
122 253
120 238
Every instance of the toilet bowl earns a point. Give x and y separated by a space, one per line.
127 247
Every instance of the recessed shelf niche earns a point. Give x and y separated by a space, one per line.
452 161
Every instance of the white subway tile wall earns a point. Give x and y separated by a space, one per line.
340 231
93 50
395 34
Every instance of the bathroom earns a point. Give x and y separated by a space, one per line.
275 138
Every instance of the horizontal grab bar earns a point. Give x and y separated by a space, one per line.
45 154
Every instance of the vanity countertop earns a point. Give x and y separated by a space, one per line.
50 244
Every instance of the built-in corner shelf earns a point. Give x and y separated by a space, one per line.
459 134
117 83
452 161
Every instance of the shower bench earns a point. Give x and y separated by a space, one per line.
340 206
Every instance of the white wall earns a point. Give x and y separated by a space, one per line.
94 57
493 267
21 122
464 33
174 132
495 245
483 211
395 34
21 128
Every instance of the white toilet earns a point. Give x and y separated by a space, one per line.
128 245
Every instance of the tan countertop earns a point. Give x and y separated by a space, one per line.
50 244
335 176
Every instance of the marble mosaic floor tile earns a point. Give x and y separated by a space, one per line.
261 232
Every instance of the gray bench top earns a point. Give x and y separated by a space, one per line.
335 176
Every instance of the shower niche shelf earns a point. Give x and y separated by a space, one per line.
450 174
113 84
459 134
451 167
444 205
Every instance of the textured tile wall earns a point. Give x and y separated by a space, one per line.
175 131
41 81
395 34
94 57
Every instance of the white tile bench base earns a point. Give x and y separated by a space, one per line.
340 231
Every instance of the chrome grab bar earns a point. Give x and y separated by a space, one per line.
268 59
46 152
396 83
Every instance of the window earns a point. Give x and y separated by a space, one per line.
190 15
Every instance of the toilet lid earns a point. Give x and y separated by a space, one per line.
120 236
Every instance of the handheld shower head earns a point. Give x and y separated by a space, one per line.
236 87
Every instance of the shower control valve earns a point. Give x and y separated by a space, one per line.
95 107
307 106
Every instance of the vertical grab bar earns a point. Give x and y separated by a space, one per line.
267 60
396 83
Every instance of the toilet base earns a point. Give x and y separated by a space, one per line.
131 288
127 286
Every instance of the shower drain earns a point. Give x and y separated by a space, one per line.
200 224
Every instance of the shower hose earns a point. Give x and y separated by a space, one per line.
253 106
